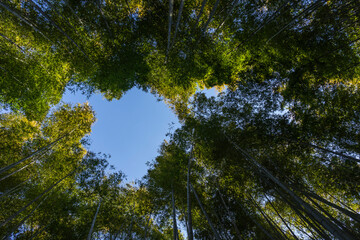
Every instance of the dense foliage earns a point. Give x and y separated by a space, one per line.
274 156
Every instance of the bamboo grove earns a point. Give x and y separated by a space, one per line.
274 156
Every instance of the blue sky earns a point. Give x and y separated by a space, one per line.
130 129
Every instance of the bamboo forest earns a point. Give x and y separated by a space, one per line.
275 155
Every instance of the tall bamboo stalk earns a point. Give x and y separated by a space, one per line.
303 218
4 169
117 233
282 219
147 226
234 4
131 223
200 13
313 213
212 13
232 220
216 234
177 22
176 234
24 19
37 198
171 6
93 221
188 191
274 226
17 170
256 222
60 29
14 188
24 219
306 12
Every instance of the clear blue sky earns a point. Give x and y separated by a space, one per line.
130 129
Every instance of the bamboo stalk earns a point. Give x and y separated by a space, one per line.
190 230
313 213
93 221
37 198
177 22
216 235
232 220
4 169
171 6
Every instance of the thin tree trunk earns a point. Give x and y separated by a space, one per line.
319 232
102 15
200 13
273 225
336 199
216 235
336 153
147 226
178 21
256 223
73 12
17 80
307 11
234 4
65 19
186 221
24 20
282 219
93 221
58 13
60 29
273 16
131 223
40 230
117 233
12 42
232 220
223 234
317 224
176 234
14 188
190 230
302 230
37 198
308 193
24 219
23 51
16 171
208 21
350 214
340 224
171 5
211 16
33 154
332 228
323 149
